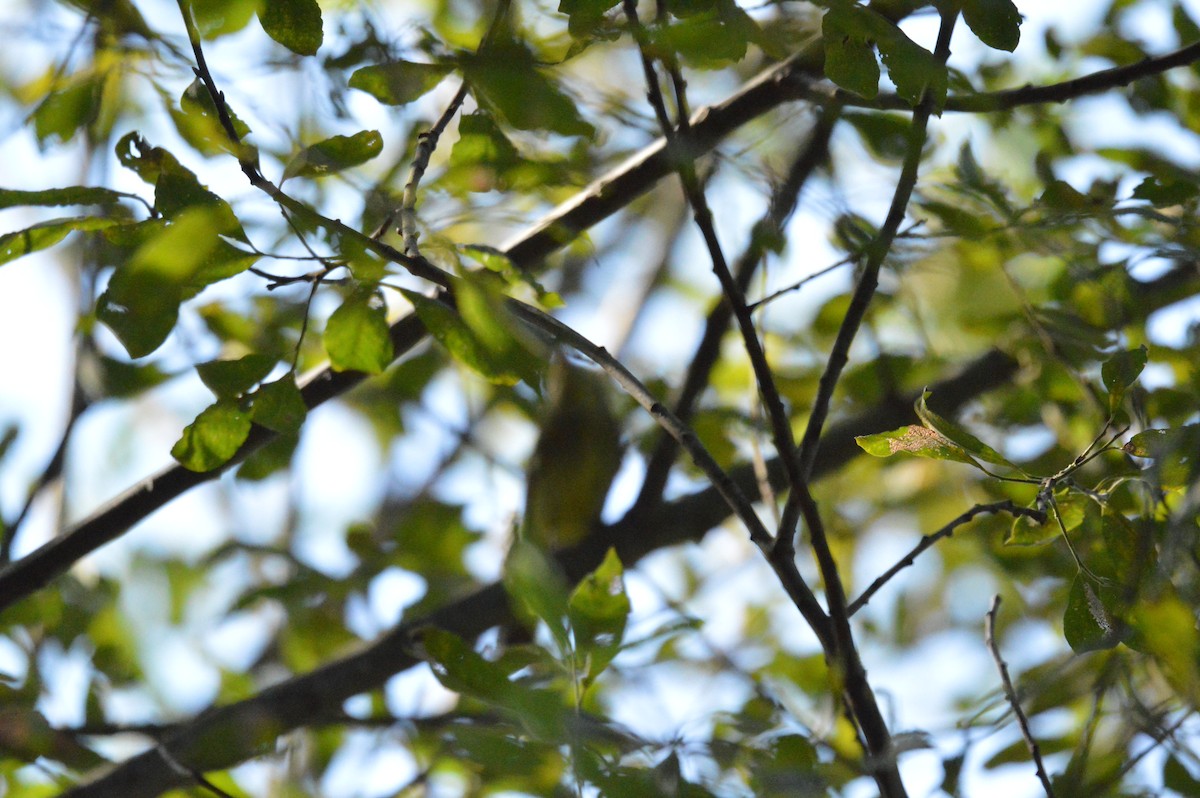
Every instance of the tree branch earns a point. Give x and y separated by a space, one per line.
1007 99
989 638
928 541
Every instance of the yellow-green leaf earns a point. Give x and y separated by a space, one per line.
399 82
920 441
334 154
278 405
296 24
214 437
356 335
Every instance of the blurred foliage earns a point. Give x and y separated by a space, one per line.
687 673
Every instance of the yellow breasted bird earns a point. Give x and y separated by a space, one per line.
575 460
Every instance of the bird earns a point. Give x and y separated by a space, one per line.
575 460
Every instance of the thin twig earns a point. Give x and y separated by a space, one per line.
426 144
776 412
768 228
989 639
868 280
52 471
932 538
248 160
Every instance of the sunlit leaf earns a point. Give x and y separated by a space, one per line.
463 344
399 82
214 437
1120 371
920 441
229 379
507 82
951 431
1087 625
278 405
598 609
356 335
47 234
216 18
296 24
334 154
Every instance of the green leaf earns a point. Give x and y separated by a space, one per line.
597 610
334 154
229 379
1087 624
214 437
920 441
122 380
1166 193
270 459
141 303
585 15
63 112
356 335
199 122
885 135
1120 371
958 435
997 23
506 81
74 195
458 667
46 234
481 306
296 24
956 219
713 38
134 152
463 344
537 589
278 405
1179 779
1174 452
176 190
1165 628
912 68
849 57
216 18
1026 531
141 308
399 82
